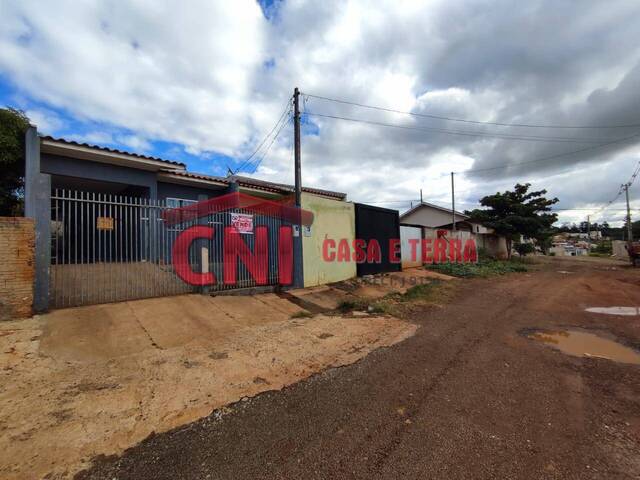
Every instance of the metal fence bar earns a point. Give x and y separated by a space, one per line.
110 247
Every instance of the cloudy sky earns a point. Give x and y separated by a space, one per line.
205 82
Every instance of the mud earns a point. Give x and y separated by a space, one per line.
585 344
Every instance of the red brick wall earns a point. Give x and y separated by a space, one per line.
17 243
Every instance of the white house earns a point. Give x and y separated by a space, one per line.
430 218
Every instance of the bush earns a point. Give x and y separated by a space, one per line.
524 248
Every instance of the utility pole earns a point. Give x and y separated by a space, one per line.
420 196
453 204
629 229
298 276
588 227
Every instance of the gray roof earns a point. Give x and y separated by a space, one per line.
112 150
431 205
179 168
257 184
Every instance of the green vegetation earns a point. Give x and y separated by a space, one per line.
524 248
13 125
484 267
355 304
302 314
518 213
435 291
604 248
426 292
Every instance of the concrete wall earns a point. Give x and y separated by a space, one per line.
406 250
619 249
17 269
101 172
332 219
494 245
187 192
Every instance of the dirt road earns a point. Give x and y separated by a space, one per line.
468 396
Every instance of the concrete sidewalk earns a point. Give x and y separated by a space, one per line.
104 332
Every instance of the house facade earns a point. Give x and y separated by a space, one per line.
427 219
102 234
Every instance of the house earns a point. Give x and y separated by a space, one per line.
429 215
101 233
426 219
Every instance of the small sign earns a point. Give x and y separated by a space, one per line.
306 230
104 223
296 230
242 222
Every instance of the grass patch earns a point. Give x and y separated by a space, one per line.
381 306
302 314
484 268
421 292
355 304
399 304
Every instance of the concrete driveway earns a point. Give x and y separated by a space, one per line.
89 381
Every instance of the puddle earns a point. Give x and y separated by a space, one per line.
583 344
628 311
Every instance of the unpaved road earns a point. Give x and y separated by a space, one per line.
467 397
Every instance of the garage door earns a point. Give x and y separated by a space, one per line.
411 256
382 225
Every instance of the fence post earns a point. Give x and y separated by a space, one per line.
37 205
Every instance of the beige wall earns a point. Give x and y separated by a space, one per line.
17 243
333 219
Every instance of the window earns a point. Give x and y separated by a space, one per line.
178 203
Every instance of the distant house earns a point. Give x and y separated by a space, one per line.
429 215
430 218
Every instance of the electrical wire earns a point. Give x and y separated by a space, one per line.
502 136
287 109
551 157
477 122
266 152
620 190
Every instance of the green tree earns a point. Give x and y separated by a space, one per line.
524 248
13 125
517 213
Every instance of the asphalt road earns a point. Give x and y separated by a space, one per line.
469 396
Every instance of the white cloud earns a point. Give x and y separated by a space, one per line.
214 76
181 72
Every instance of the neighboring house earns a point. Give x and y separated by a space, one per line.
431 218
103 210
429 215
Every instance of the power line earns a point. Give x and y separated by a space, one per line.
266 152
477 122
497 167
552 157
620 190
503 136
287 109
